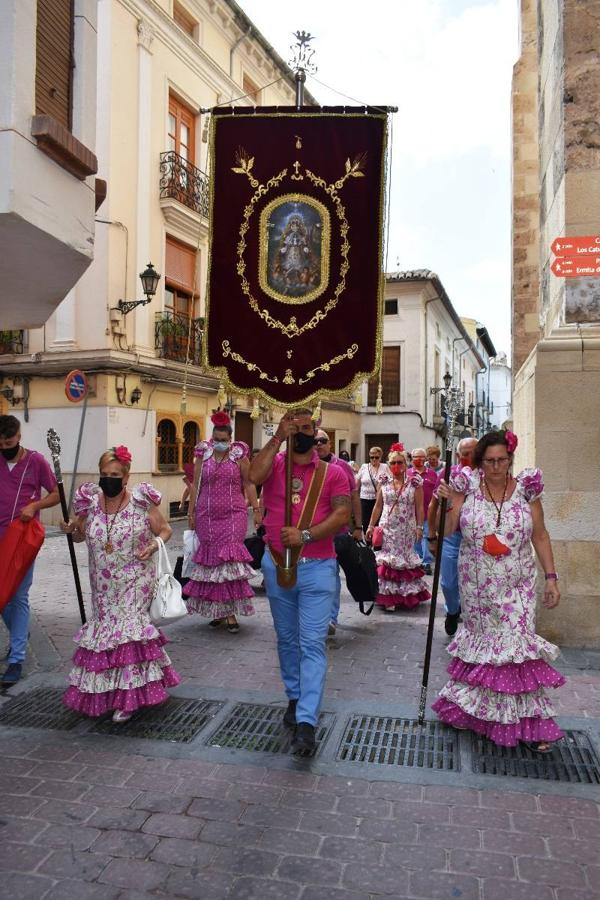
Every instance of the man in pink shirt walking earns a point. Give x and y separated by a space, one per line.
23 474
301 614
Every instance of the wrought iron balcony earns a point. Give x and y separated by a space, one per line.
12 342
171 332
182 181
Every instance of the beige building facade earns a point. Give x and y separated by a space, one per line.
556 321
160 64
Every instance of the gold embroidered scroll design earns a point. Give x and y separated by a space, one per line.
288 378
352 170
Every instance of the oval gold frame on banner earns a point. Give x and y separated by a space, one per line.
264 259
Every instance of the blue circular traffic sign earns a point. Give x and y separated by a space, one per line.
76 385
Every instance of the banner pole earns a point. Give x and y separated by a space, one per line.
289 468
54 445
454 402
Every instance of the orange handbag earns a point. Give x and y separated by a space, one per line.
18 548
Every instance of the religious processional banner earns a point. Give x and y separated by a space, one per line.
295 284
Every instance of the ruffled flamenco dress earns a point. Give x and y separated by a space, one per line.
401 576
499 674
219 580
120 663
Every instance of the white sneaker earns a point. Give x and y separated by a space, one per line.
120 715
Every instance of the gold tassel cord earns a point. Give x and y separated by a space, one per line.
379 401
316 416
255 414
221 396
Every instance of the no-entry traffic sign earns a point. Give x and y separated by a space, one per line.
571 267
76 385
576 246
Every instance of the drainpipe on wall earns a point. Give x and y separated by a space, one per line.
426 407
235 46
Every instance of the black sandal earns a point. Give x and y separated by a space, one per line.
233 627
215 623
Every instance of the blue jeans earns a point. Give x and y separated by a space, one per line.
422 546
16 618
301 616
449 572
337 599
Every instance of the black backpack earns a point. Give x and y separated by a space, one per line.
357 561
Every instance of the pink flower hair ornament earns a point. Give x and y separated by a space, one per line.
512 441
397 448
122 454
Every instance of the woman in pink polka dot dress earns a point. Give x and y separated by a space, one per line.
120 664
218 587
500 673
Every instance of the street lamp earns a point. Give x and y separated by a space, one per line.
447 380
149 278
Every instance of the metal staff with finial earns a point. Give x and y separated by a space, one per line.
54 445
454 404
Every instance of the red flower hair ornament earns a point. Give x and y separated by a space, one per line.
122 454
220 419
397 448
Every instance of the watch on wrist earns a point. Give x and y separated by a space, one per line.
306 536
551 576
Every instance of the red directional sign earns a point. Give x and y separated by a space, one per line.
576 246
571 267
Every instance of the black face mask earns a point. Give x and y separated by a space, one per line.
111 485
303 442
10 452
327 458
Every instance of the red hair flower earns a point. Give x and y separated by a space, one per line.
122 454
512 441
220 419
397 448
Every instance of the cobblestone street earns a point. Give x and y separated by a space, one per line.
86 815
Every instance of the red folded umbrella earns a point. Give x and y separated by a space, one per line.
18 549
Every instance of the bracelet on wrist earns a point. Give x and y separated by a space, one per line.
551 576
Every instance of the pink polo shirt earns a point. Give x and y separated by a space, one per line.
336 484
430 482
16 493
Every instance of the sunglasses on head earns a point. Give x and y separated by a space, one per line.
321 440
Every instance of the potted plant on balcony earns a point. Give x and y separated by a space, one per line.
6 341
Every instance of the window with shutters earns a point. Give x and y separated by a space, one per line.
166 438
54 60
191 436
390 379
178 330
182 127
251 89
183 18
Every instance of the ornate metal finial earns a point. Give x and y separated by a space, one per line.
53 443
302 53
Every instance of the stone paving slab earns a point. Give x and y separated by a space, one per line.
93 816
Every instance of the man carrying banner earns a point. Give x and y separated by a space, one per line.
302 608
23 474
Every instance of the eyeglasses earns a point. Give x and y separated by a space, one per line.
501 461
321 440
374 457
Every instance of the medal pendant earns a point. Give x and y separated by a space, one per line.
297 484
295 499
108 547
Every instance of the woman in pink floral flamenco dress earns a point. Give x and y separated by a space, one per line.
400 504
499 674
218 587
120 664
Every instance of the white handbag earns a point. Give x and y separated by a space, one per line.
190 545
167 604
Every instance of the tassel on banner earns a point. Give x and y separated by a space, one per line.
183 404
221 396
358 396
316 415
379 401
255 414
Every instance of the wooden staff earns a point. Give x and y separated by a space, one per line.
54 445
289 468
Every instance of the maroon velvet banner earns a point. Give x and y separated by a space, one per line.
294 298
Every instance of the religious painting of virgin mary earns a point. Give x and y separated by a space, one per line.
294 248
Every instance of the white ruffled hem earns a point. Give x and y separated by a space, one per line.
500 647
410 561
123 679
99 636
402 588
230 571
507 709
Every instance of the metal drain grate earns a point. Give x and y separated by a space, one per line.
177 720
40 708
572 760
399 742
255 727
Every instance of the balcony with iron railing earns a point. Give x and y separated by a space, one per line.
180 180
174 332
12 342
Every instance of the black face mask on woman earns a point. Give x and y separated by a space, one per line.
110 485
10 452
303 442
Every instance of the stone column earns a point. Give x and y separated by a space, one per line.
143 316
